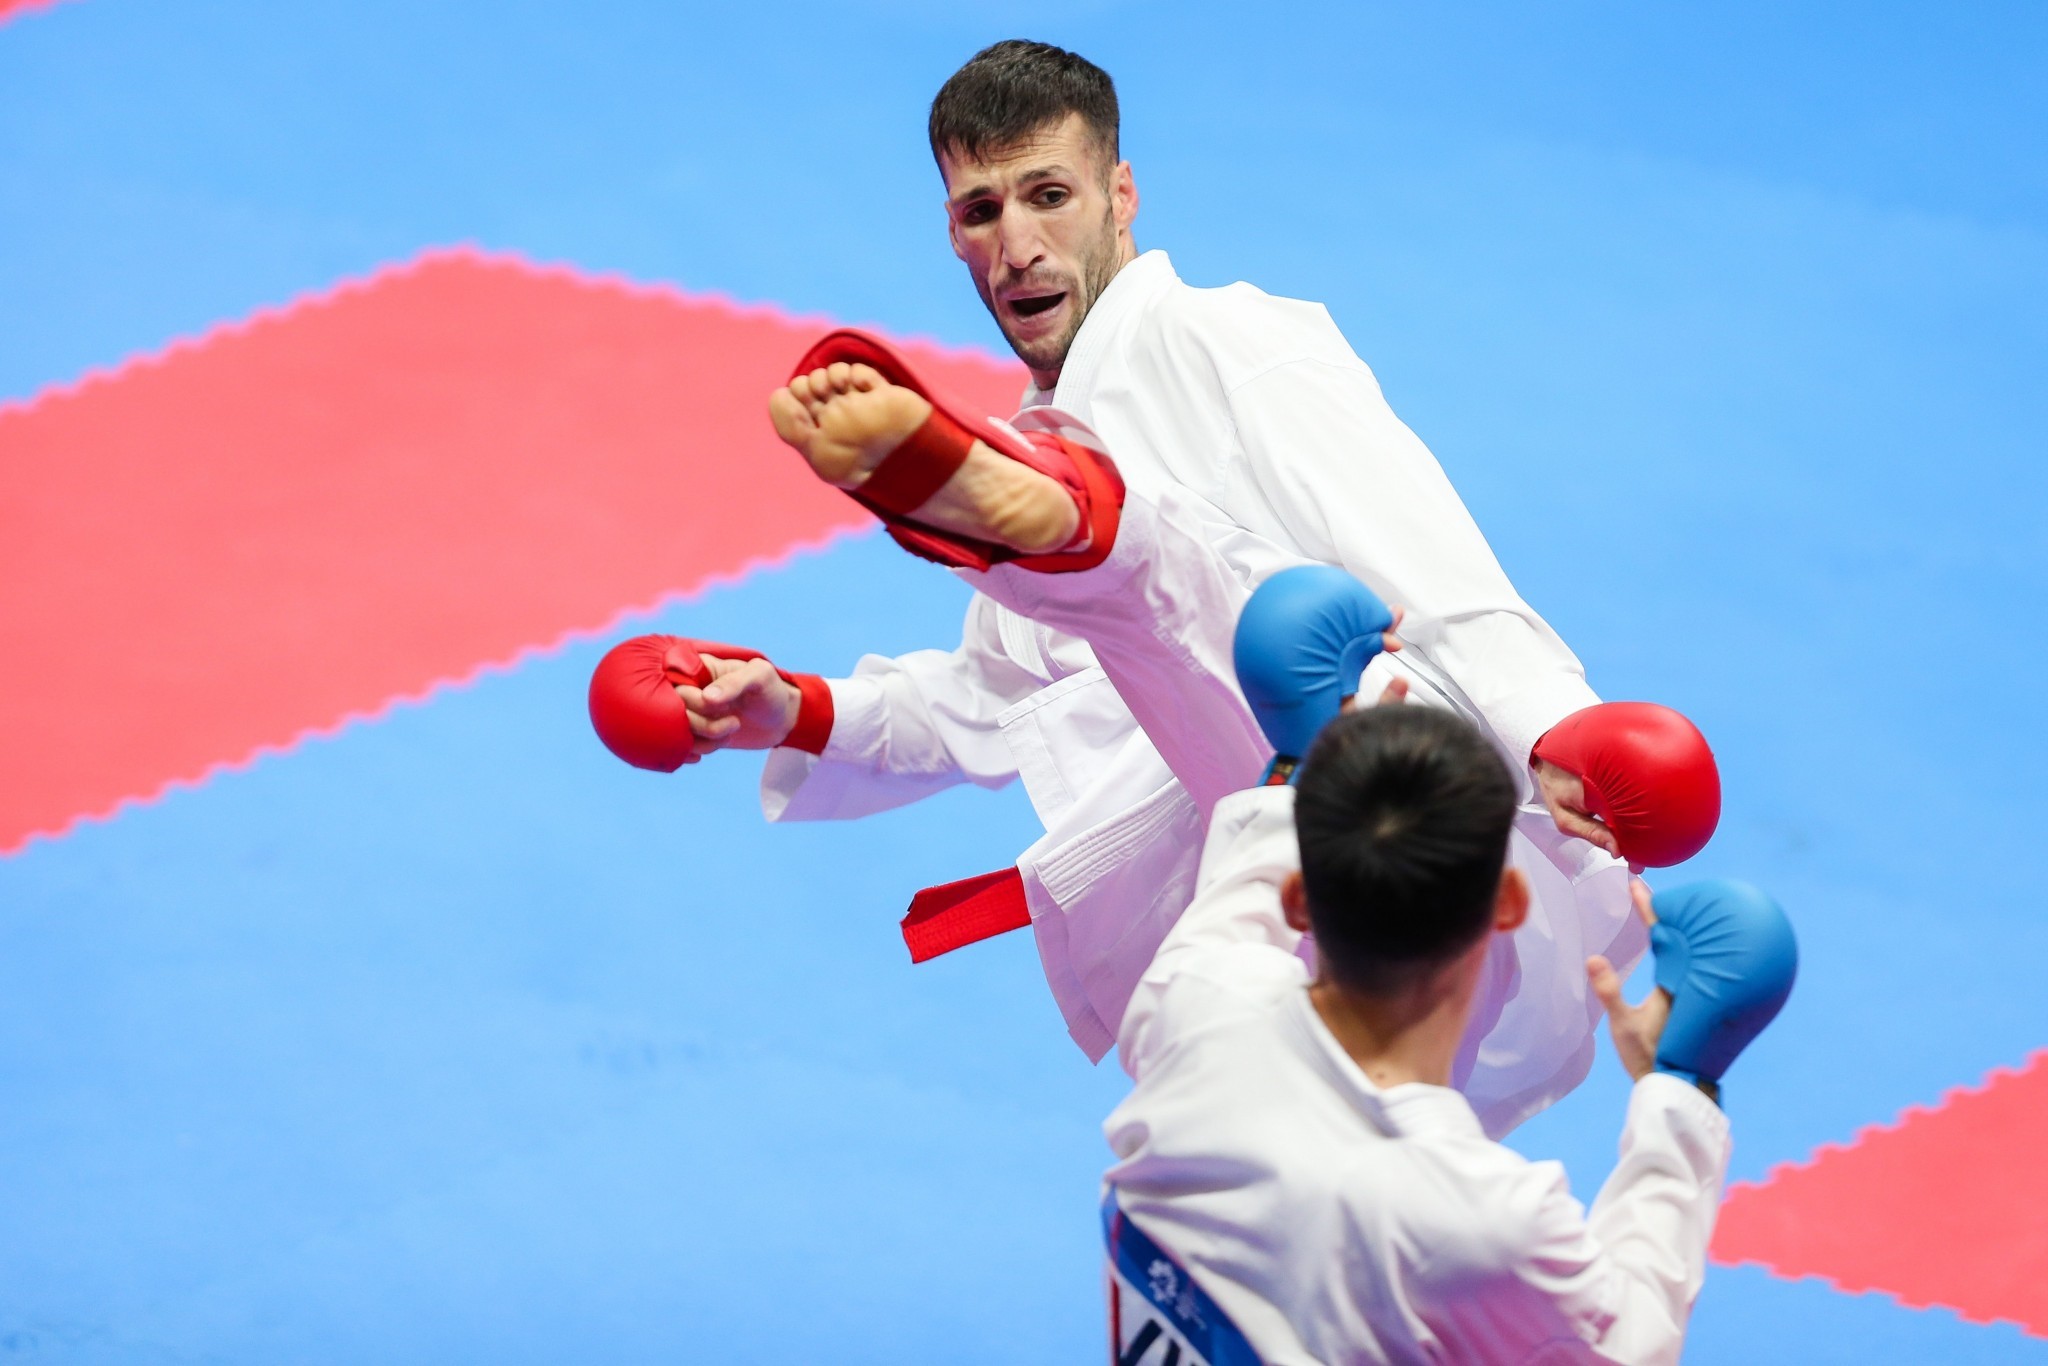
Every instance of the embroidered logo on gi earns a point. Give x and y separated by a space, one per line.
1158 1315
1174 1292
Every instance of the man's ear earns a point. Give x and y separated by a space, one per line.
1294 903
1123 196
953 232
1511 903
946 207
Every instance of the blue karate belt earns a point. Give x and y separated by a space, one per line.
1153 1301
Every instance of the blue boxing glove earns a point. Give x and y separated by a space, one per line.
1726 955
1302 641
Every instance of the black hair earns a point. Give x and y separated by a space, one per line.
1403 815
1013 89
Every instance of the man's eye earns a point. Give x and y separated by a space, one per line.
1052 199
976 214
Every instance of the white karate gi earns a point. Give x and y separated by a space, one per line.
1336 1221
1274 438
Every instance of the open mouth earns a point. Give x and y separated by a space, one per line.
1035 304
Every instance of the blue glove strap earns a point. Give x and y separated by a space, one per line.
1284 771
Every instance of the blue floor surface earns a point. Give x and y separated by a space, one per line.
448 1038
451 1038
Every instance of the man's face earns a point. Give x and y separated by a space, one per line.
1043 226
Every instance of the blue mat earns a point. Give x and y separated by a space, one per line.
448 1038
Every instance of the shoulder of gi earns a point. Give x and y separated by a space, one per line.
1238 332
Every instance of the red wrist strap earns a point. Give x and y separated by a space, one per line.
813 714
909 475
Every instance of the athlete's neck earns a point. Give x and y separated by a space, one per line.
1045 381
1410 1035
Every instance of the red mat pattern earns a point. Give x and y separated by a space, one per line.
1948 1206
301 517
10 8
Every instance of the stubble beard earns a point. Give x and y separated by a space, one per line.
1098 267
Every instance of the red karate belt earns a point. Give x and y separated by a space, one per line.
957 914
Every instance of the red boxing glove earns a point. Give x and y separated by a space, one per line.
1649 777
636 711
1042 438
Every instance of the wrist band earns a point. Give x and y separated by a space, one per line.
1281 772
813 714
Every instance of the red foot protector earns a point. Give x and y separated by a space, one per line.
1943 1208
295 519
636 711
957 914
918 468
1649 776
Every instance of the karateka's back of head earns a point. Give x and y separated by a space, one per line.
1403 815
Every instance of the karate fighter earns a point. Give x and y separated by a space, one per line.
1298 1181
1265 429
1342 1204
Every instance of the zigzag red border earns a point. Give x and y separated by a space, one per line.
614 281
441 686
2038 1057
98 377
1906 1115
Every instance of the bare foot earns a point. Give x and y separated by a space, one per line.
846 419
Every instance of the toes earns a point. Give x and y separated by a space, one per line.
818 389
836 380
790 416
840 377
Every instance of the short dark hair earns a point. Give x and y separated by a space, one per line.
1403 815
1014 88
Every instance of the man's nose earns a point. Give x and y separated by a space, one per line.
1022 247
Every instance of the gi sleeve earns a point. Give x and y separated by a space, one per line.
1233 929
1351 485
1160 614
906 728
1618 1284
1654 1217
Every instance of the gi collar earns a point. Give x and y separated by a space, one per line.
1128 294
1405 1111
